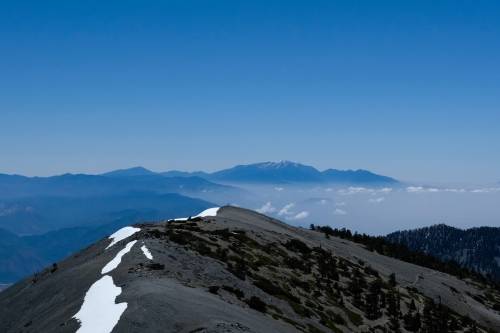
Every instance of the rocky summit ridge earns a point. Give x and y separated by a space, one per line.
234 270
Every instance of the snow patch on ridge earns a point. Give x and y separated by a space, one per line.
209 212
118 258
99 312
121 235
146 252
206 213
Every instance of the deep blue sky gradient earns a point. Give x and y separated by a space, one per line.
410 89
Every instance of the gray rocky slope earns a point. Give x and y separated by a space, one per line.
240 271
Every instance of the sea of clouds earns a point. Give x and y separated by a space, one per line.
378 211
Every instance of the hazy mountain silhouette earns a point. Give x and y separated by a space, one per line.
130 172
356 176
12 186
269 172
288 172
37 215
91 218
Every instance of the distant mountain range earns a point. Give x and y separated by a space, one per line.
116 182
142 179
130 172
35 215
288 172
477 249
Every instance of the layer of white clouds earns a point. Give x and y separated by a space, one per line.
363 190
486 190
300 216
421 189
286 210
339 211
267 208
376 200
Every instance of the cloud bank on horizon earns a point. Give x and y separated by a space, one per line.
382 210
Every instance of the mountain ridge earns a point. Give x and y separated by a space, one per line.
475 248
286 172
12 186
263 172
129 172
234 270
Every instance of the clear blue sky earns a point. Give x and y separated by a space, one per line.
410 89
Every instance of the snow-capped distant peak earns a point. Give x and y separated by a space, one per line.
278 165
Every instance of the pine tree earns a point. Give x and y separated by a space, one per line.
383 302
355 287
412 318
417 320
453 324
355 291
412 307
372 300
428 318
442 318
327 265
392 280
393 310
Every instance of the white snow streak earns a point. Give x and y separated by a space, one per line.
118 258
99 313
209 212
121 235
146 252
206 213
